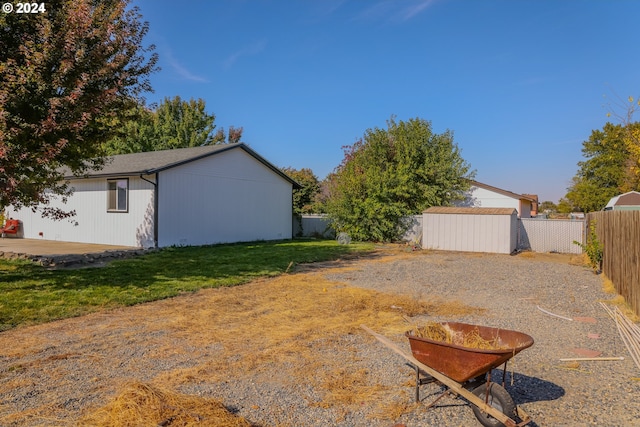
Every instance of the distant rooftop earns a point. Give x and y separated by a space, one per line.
469 211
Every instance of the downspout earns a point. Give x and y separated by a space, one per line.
155 208
293 217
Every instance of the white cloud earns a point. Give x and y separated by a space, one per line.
181 70
252 49
396 11
415 8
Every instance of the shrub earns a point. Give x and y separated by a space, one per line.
593 248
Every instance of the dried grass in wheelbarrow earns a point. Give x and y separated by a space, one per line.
142 404
470 339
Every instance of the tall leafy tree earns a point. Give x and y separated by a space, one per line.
175 123
232 137
183 123
609 168
137 132
391 173
548 205
65 77
625 111
303 198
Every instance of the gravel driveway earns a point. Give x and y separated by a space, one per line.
509 288
512 289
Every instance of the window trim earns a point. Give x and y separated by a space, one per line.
109 193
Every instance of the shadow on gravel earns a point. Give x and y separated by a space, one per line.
525 389
528 389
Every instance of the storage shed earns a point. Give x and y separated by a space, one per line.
624 202
470 229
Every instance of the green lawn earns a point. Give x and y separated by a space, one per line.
30 294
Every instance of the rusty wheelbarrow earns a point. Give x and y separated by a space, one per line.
466 371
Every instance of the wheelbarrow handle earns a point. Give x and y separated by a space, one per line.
453 385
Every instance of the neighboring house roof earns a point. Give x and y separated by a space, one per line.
150 162
632 198
504 192
469 211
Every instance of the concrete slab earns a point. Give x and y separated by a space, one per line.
53 247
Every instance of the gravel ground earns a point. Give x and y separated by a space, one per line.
512 289
509 288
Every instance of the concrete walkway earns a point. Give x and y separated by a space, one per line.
53 247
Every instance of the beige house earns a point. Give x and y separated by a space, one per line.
486 196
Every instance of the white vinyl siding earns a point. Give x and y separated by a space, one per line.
229 197
92 222
495 233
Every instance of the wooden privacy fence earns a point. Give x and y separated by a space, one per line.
619 234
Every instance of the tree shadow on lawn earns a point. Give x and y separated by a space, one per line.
180 268
32 294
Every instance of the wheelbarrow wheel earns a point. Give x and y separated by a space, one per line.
499 399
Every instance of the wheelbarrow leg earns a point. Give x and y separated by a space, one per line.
504 374
421 381
417 384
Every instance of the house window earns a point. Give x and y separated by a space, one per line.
117 195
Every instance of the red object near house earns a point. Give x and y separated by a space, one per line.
11 226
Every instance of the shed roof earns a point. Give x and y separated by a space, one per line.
632 198
469 211
150 162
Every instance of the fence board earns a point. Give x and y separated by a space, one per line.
313 225
618 232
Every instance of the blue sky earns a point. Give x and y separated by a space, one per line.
520 83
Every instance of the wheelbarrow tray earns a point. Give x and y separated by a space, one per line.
463 363
455 386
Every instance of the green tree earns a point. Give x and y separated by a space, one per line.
391 173
175 123
65 77
548 205
607 171
324 192
181 124
137 132
303 198
565 206
625 111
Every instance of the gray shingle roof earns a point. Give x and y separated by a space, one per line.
155 161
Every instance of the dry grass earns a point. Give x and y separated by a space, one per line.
346 386
146 405
289 320
280 329
393 409
443 333
571 259
618 300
